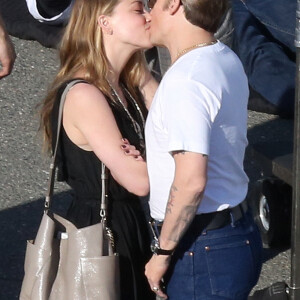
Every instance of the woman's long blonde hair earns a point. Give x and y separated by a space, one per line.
82 48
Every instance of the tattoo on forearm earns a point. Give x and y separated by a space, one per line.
185 219
170 203
183 222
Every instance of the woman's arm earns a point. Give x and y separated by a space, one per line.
90 124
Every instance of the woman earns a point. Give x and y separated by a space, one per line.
102 45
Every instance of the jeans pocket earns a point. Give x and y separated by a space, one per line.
230 266
180 276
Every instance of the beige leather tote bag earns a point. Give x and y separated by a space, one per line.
66 263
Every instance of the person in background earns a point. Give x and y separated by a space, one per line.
207 244
264 40
7 51
52 12
103 47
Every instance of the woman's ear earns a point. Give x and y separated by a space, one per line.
104 24
173 6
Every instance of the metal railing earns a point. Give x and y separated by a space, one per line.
294 289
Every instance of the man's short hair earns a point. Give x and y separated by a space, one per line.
206 14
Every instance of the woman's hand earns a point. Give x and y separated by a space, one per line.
130 150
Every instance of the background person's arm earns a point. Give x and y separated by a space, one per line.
7 52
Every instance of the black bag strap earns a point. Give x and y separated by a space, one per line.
51 180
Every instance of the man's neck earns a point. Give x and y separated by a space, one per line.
186 39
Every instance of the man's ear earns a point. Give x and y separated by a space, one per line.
174 6
104 24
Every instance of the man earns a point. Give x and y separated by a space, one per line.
7 52
158 58
209 246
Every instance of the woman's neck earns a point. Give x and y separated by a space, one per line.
117 55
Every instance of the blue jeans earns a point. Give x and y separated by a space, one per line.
216 265
264 41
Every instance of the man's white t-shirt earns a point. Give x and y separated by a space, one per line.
200 106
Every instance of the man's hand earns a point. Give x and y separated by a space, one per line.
155 270
7 52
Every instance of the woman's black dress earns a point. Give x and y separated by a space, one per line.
82 171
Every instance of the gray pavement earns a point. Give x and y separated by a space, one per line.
24 168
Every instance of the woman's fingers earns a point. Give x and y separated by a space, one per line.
125 141
130 150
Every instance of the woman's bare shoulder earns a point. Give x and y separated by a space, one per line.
86 96
84 90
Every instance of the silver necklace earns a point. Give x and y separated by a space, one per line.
136 126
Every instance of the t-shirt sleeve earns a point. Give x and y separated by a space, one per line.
190 110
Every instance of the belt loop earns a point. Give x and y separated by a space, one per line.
232 219
242 210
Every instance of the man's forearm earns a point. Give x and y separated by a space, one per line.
180 212
185 196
